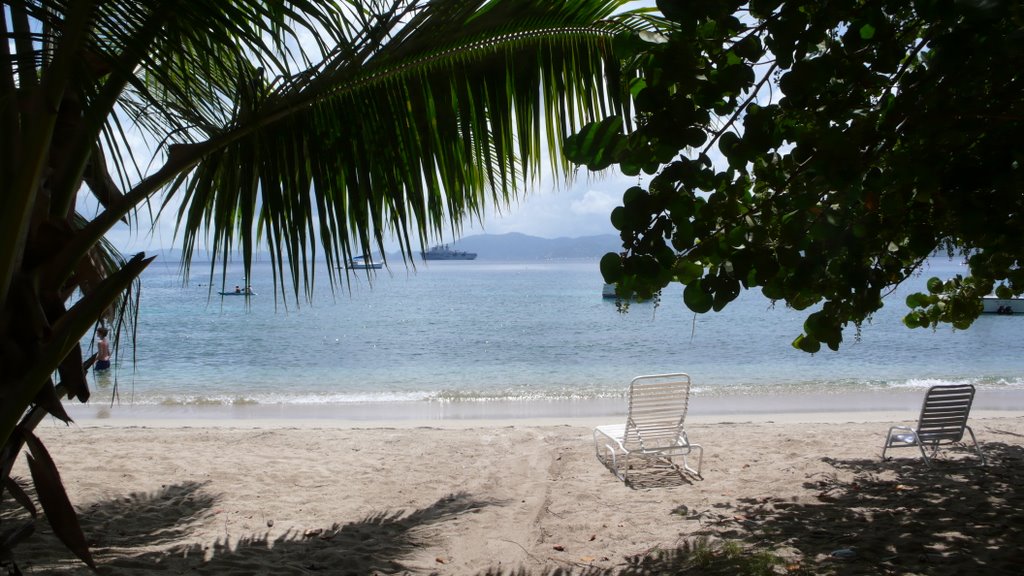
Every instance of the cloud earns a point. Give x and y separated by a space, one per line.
582 209
594 202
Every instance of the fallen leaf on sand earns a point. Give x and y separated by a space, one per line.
439 560
559 547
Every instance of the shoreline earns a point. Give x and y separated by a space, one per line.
840 407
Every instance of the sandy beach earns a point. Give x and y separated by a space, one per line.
525 497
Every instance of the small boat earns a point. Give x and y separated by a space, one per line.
247 291
608 291
446 253
364 263
1003 306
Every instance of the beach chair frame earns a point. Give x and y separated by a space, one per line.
942 422
654 427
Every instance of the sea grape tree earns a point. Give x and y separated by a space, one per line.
821 151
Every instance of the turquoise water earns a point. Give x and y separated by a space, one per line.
522 333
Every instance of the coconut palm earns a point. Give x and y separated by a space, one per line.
315 129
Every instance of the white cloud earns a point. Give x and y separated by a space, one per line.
594 202
582 208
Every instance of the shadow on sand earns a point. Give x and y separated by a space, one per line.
895 517
375 545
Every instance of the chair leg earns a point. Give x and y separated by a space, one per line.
614 464
623 473
889 438
598 444
888 442
977 448
672 460
924 453
608 456
916 441
700 461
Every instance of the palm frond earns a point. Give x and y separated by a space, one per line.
454 110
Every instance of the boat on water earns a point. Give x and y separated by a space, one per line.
364 263
1004 306
239 291
443 252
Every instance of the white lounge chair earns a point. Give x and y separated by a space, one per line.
653 428
943 422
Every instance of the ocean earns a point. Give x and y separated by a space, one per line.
469 339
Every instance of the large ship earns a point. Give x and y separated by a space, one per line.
446 253
1004 306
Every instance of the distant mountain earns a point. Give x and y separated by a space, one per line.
511 246
515 246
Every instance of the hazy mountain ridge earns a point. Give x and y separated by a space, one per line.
501 247
516 246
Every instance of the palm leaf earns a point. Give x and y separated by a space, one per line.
11 537
312 129
19 495
420 133
54 500
64 336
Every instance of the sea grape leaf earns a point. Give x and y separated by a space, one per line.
596 144
688 271
696 298
611 267
918 300
807 344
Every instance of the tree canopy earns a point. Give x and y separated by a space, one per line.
821 151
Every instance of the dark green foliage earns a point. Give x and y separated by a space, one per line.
820 152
